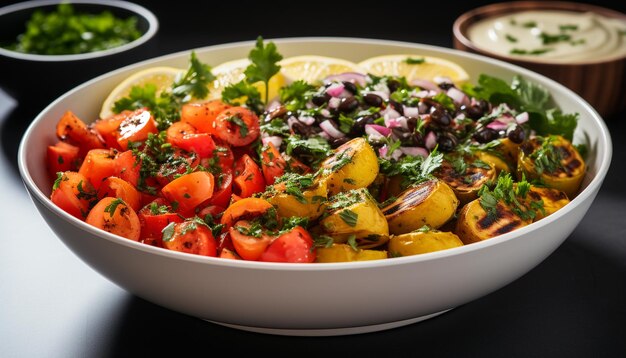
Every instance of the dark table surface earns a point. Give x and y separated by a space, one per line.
53 305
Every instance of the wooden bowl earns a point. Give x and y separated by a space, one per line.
602 83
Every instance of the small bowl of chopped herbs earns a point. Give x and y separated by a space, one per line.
46 46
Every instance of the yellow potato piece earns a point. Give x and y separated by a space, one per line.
345 253
475 225
421 242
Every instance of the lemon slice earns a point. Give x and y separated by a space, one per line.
231 72
162 77
312 69
428 69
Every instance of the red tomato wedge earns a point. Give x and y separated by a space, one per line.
202 115
272 163
237 126
62 157
128 167
136 127
190 237
248 177
294 246
154 217
73 130
98 165
247 246
189 191
109 129
73 193
119 188
246 208
115 216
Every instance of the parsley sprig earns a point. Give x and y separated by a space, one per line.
509 193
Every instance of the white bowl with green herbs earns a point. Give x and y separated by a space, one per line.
314 299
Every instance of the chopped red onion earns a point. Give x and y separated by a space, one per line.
396 154
506 118
378 128
354 77
522 118
291 120
423 108
430 141
414 151
382 151
272 105
425 84
326 113
400 122
497 125
308 120
328 127
442 79
458 96
421 94
334 102
410 111
335 89
275 140
324 135
389 113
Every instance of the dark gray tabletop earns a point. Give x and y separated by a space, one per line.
53 305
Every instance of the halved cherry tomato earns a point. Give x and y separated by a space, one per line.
98 165
109 128
237 126
185 136
202 115
189 191
128 167
154 217
226 253
136 127
243 209
293 246
248 177
272 163
221 159
223 190
247 246
74 194
119 188
191 237
115 216
73 130
62 157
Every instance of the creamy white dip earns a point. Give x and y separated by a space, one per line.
551 36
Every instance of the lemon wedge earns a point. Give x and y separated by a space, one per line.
314 69
231 72
414 66
162 77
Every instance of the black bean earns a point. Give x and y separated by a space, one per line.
373 100
303 129
320 98
447 141
348 104
358 129
440 116
349 86
485 135
516 134
473 112
393 85
397 106
446 85
336 142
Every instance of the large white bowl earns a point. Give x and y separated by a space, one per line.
312 299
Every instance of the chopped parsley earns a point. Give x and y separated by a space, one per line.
510 194
110 209
243 128
414 60
264 64
511 38
349 217
547 157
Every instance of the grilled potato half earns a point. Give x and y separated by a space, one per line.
551 200
421 242
466 175
353 165
345 253
554 161
474 224
309 204
430 203
355 213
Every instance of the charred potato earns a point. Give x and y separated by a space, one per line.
307 202
474 224
465 175
353 165
345 253
554 161
430 203
549 200
421 242
355 214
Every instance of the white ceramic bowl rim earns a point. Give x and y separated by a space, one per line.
153 25
584 195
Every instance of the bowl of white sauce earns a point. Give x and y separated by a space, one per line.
582 46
